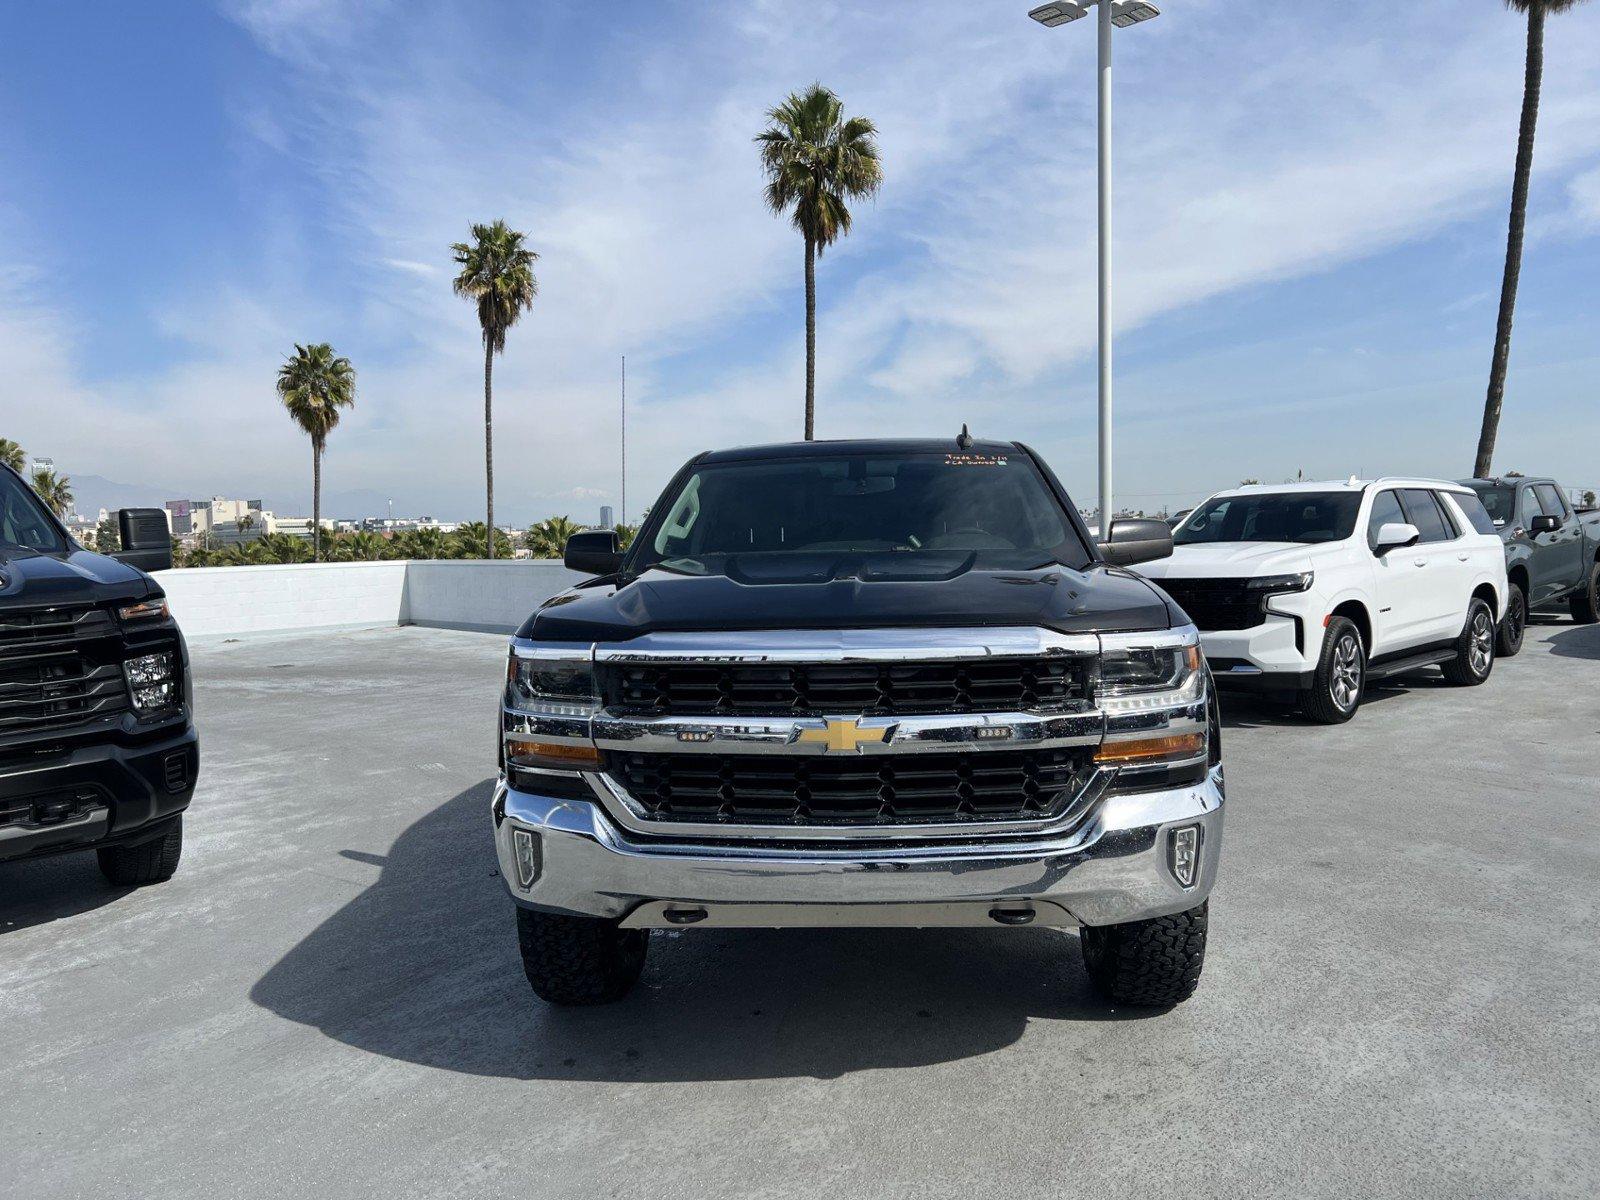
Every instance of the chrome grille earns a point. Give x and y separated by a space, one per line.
852 789
1020 684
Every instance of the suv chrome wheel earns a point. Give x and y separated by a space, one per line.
1481 653
1347 670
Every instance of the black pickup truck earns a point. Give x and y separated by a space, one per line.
97 749
864 684
1552 551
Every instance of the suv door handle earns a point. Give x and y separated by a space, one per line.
1420 562
1464 557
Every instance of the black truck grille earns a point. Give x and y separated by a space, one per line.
877 689
852 789
1216 603
58 667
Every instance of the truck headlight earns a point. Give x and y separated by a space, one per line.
152 680
554 682
1158 675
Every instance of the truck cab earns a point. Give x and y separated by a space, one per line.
886 683
1552 551
97 746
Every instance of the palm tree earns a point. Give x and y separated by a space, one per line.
1532 80
816 160
55 490
314 385
548 539
11 455
496 273
469 542
427 542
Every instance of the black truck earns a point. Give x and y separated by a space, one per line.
862 684
1552 551
97 747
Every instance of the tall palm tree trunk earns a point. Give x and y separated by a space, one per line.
488 437
811 338
316 501
1519 216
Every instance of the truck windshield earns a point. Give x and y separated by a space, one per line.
928 512
24 527
1272 517
1499 499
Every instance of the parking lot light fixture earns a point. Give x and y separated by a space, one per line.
1059 13
1119 13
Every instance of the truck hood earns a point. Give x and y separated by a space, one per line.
852 592
80 577
1226 560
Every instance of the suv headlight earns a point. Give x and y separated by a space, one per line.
1271 585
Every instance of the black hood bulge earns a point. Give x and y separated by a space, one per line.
30 580
1099 599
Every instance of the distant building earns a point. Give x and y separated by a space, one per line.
607 517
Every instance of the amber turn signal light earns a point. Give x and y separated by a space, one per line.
1179 745
553 754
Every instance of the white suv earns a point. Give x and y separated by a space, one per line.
1308 590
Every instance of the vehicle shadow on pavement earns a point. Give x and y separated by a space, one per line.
422 967
1241 710
1578 641
41 890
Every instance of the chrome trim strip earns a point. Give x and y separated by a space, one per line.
628 813
957 914
847 645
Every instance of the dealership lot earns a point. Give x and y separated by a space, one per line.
1399 998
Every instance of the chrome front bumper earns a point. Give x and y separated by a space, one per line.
1109 867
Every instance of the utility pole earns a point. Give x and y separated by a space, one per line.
624 439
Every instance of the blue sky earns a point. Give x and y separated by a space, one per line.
1310 231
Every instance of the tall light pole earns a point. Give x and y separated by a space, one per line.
1120 13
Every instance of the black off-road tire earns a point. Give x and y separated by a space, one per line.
1508 638
579 960
1474 648
155 861
1340 677
1585 602
1155 962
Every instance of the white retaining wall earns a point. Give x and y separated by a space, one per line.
449 594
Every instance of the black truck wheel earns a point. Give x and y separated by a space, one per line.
155 861
1508 638
579 960
1474 648
1335 691
1585 602
1155 962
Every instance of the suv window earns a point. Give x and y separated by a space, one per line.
1452 528
1385 511
1469 504
1423 512
1554 505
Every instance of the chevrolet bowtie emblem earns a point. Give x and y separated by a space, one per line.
846 735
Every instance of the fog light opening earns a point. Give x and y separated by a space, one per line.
525 854
1183 854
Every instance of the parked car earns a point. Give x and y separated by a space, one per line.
97 749
873 683
1308 591
1552 552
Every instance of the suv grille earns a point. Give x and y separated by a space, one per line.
58 667
1216 603
852 789
876 689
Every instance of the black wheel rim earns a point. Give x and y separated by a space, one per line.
1516 619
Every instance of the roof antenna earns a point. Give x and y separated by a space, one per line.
964 442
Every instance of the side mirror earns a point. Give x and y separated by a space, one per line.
1395 534
1544 524
1136 540
593 552
146 539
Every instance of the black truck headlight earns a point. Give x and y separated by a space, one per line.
1151 686
1131 676
153 680
559 684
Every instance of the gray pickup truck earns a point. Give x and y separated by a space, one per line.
1552 551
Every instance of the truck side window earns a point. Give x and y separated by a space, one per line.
1385 511
1551 500
1424 514
1529 507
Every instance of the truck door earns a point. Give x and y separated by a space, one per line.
1563 549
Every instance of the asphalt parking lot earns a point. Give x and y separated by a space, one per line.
1402 994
